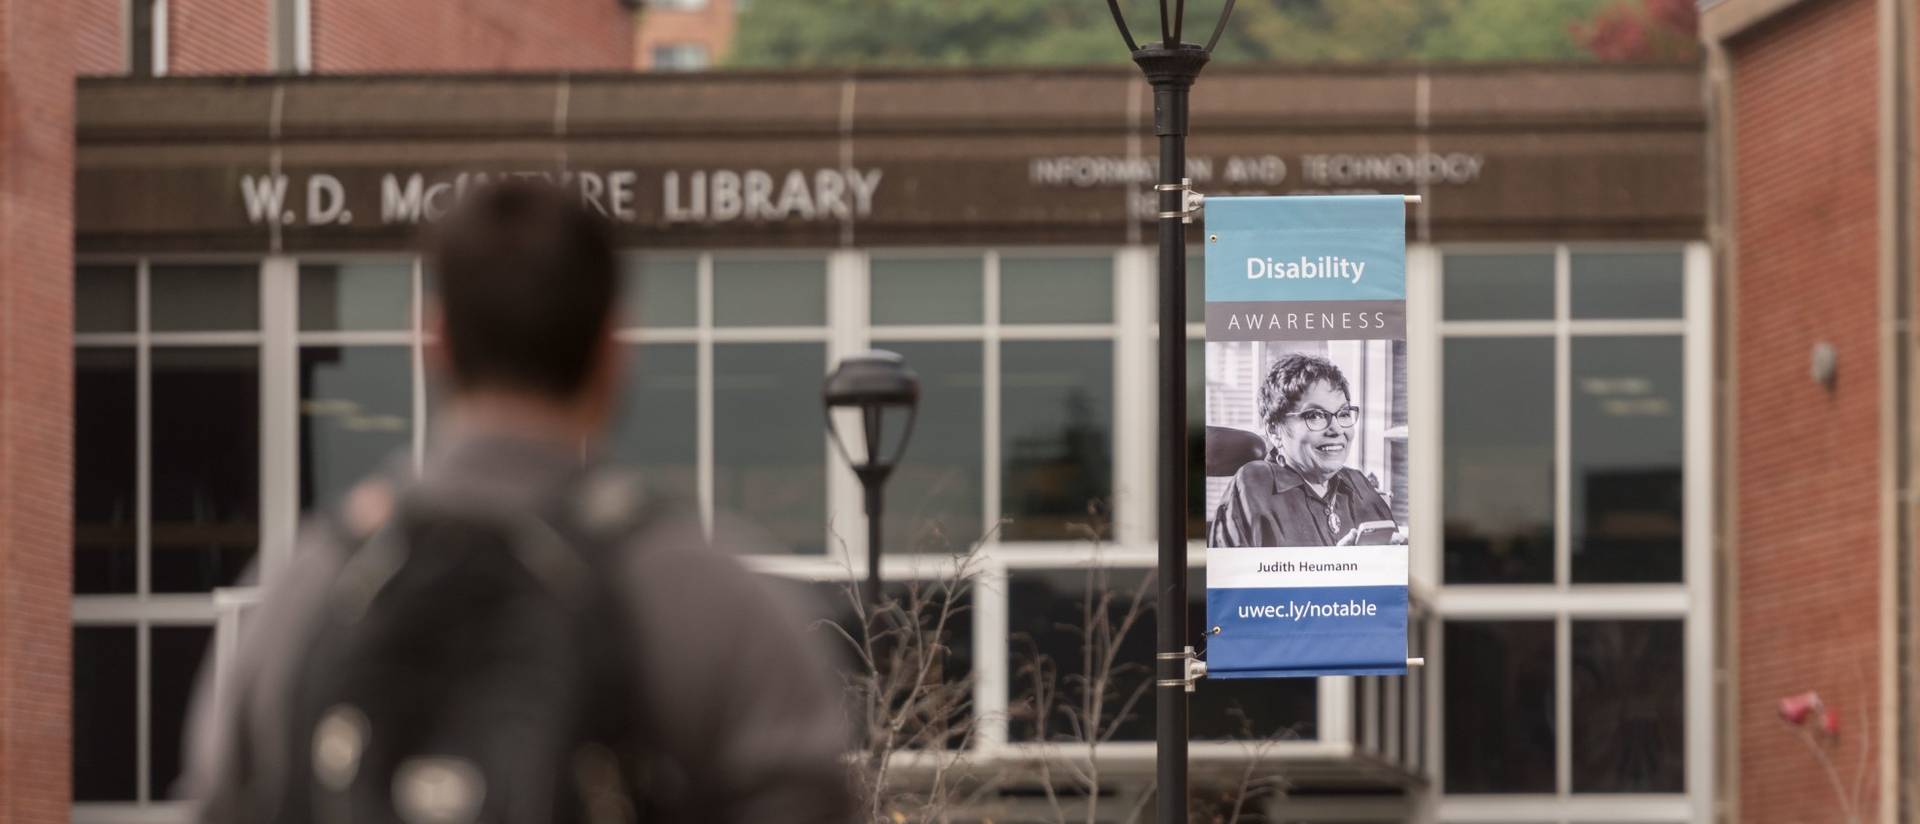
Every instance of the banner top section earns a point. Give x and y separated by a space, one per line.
1306 248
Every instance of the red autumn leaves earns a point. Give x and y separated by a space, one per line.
1807 706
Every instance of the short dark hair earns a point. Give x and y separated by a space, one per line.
527 279
1291 377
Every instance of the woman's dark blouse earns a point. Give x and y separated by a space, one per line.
1270 504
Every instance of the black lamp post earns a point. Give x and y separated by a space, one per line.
1171 65
878 396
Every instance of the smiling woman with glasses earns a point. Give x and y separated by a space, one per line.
1303 493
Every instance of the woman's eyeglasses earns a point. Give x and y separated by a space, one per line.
1319 419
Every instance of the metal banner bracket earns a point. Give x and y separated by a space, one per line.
1196 669
1192 203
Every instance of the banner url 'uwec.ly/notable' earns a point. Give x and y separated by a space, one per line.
1292 611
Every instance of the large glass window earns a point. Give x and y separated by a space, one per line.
769 442
105 714
934 498
106 510
1565 419
659 418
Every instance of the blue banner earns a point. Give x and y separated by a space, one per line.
1306 454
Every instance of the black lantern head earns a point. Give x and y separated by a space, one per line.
876 396
1172 22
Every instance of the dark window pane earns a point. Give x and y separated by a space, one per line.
658 428
934 499
769 440
770 293
177 655
206 466
1499 706
104 299
1627 284
1629 712
1056 290
938 290
356 297
140 39
105 463
104 714
222 298
942 643
1055 626
1498 287
1628 447
661 292
1056 424
1497 476
356 411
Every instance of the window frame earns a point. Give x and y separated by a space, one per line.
1563 601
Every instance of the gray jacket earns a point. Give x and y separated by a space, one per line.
741 700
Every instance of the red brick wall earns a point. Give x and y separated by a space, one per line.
470 35
99 36
1805 91
218 36
37 57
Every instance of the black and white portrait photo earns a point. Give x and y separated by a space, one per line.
1306 443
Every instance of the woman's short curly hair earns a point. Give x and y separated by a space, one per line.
1291 377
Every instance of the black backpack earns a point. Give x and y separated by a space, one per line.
473 666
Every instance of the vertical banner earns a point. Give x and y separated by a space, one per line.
1306 453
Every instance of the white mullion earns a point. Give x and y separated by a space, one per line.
106 339
929 332
703 359
1334 712
1075 554
1135 474
419 365
1562 429
188 339
160 38
771 334
384 338
1058 331
1426 389
143 435
1627 328
1563 705
846 333
122 610
1698 543
992 677
990 396
279 357
143 711
655 335
1499 328
1518 601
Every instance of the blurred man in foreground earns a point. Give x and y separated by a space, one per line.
519 634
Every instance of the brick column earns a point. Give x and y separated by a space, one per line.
36 444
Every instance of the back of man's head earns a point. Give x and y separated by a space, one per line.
526 279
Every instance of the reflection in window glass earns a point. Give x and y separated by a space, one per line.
1056 425
1629 714
1627 284
769 441
1499 706
177 654
105 720
206 466
828 607
1628 490
1050 615
934 498
657 431
1053 628
105 462
356 297
1056 290
356 412
1498 475
660 292
104 299
1498 287
769 293
927 290
205 298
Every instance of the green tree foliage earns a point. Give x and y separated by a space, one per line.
1067 32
